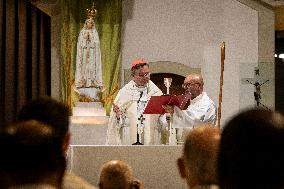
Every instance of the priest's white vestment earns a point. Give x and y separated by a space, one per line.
132 100
201 110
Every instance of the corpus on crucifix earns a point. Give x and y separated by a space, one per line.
257 82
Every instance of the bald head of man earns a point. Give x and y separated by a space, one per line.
117 174
193 84
30 155
198 164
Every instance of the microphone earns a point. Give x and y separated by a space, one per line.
141 93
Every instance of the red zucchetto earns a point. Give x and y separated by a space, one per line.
137 62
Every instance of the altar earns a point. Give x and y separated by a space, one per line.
155 165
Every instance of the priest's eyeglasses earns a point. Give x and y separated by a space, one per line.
145 75
186 85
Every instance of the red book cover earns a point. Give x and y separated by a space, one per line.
155 103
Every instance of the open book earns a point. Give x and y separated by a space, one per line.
155 103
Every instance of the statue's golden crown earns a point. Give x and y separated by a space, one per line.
92 12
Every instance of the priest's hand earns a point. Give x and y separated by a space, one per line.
168 109
116 109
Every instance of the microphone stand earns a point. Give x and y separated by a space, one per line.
141 121
137 134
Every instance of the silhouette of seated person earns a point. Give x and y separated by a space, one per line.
55 114
251 151
30 158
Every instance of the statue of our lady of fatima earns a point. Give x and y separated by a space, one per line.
88 75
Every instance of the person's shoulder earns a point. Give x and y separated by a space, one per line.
152 84
208 98
72 181
128 86
155 88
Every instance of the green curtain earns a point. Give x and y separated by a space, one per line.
108 25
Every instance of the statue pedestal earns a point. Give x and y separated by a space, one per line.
89 109
88 124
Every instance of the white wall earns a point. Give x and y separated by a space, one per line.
190 32
241 36
171 30
266 43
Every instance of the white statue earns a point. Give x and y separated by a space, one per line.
88 75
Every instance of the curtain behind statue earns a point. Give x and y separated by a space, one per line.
24 56
108 25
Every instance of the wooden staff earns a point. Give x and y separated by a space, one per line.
221 84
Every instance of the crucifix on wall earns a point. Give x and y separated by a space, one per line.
257 82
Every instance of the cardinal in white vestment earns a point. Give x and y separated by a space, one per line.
127 118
